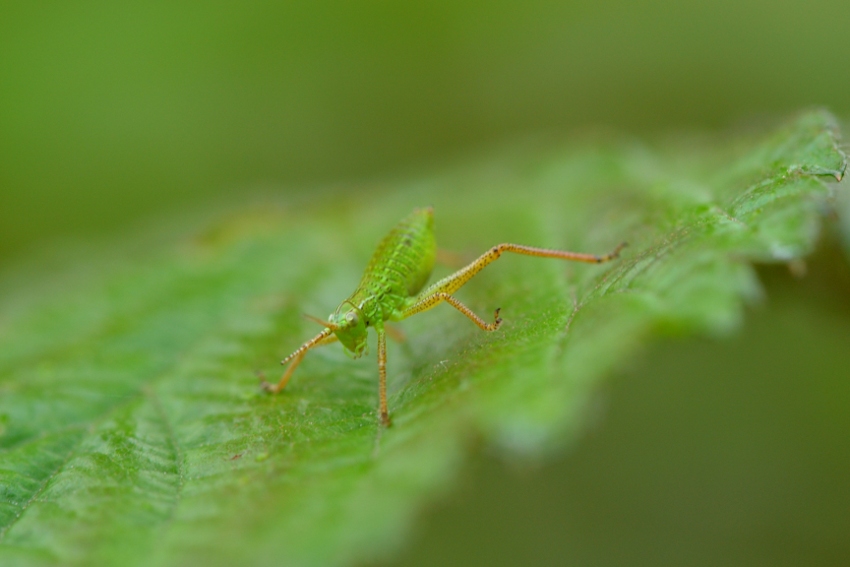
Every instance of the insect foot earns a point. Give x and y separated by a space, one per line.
613 255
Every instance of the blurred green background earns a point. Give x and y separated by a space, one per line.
112 112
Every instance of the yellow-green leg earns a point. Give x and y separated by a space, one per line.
442 290
326 337
430 301
382 374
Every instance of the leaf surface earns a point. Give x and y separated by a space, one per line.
132 428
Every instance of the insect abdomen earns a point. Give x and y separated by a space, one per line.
402 263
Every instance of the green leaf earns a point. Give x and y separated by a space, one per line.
132 428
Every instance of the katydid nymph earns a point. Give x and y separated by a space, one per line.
391 289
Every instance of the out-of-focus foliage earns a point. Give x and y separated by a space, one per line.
110 111
134 433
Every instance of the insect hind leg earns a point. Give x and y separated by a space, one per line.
432 300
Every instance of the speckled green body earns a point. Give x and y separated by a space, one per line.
398 270
392 288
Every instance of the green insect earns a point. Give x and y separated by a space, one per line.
391 290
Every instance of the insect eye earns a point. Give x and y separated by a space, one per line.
351 317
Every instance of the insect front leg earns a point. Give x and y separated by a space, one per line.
326 337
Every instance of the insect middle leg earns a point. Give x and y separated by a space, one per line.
382 375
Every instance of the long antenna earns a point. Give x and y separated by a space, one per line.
328 324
